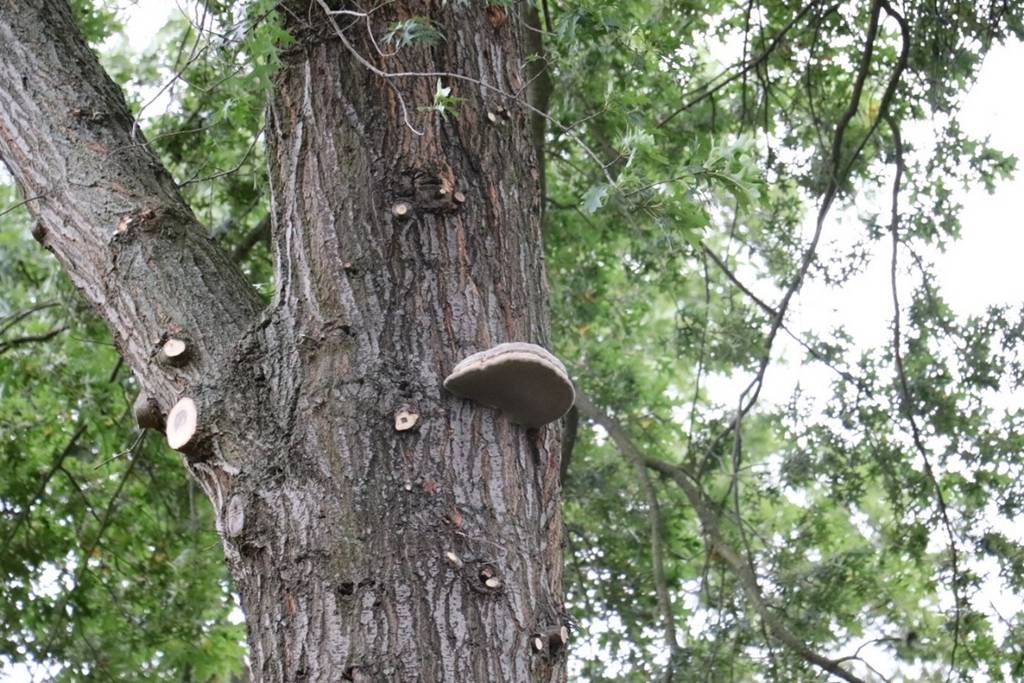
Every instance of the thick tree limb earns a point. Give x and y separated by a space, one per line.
107 209
740 567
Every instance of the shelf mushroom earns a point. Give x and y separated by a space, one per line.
522 380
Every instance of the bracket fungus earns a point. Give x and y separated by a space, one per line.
522 380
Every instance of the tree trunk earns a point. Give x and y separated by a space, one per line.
360 551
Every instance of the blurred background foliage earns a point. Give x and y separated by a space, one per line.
693 153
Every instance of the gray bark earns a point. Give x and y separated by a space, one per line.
338 529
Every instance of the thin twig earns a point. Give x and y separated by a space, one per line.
83 564
13 319
230 171
701 357
515 97
194 55
130 450
9 344
20 204
768 309
906 399
744 67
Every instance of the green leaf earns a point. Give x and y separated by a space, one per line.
595 198
413 31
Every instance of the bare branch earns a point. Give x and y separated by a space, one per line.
587 408
8 344
13 319
194 54
701 358
768 309
231 171
750 395
104 523
20 204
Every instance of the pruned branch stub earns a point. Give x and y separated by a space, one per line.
182 422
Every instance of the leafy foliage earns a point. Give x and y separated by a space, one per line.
109 560
413 31
444 102
689 146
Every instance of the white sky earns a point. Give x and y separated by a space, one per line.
985 267
982 269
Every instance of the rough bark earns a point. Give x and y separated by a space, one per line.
338 528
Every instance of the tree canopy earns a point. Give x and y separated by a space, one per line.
698 158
